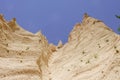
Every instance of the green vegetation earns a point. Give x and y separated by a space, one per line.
95 56
107 40
81 60
21 61
7 51
83 52
117 51
88 62
118 16
27 48
119 29
99 46
115 47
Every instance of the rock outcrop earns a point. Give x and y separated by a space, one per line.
20 51
91 53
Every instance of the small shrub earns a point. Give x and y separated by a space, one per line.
81 60
27 48
117 51
95 56
87 62
83 52
115 47
7 51
107 40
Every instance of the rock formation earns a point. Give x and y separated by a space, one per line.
91 53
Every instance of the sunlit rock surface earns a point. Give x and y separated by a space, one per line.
91 53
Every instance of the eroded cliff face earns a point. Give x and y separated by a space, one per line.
20 51
91 53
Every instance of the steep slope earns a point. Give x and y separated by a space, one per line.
91 53
19 52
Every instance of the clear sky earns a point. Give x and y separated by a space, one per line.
56 18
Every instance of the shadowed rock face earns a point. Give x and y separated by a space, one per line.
91 53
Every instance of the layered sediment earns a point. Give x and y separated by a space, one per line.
91 53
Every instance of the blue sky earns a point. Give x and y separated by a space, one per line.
56 18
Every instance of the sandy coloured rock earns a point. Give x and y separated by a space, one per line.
91 53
